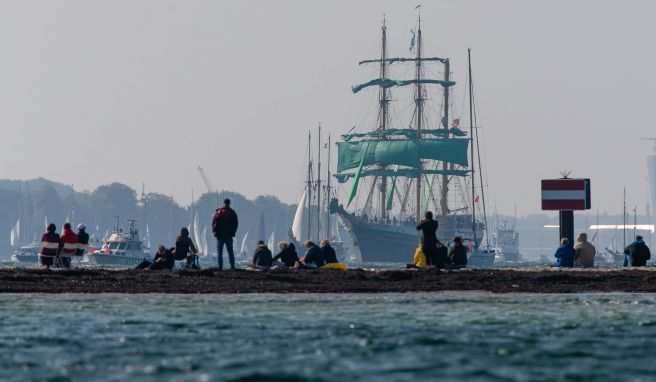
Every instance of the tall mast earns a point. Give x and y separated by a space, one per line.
309 187
624 217
420 106
383 114
328 193
471 137
444 206
319 185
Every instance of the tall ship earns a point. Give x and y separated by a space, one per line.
398 170
121 248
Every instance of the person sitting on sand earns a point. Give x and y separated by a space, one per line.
287 254
441 255
584 251
637 254
313 257
565 254
163 260
185 248
262 256
458 252
328 252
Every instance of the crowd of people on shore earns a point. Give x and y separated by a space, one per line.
431 253
58 250
583 253
224 227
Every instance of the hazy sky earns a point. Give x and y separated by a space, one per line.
145 91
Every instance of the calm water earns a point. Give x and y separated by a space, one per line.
390 337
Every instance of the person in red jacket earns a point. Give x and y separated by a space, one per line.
49 246
224 227
66 252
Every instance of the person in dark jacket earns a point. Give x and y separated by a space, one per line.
224 227
328 252
428 228
49 246
637 253
82 239
442 254
313 256
287 254
163 260
185 248
458 253
262 256
565 254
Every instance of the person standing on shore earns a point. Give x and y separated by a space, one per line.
584 251
428 228
49 246
224 227
637 254
565 254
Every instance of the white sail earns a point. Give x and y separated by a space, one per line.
297 225
272 240
15 233
203 240
244 246
45 223
197 234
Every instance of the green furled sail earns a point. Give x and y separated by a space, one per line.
388 83
354 187
409 133
405 172
406 153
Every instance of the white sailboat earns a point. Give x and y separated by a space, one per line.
297 225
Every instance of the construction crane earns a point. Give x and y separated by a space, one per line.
203 176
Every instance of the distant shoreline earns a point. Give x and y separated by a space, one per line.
25 280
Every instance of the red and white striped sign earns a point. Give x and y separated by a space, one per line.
565 194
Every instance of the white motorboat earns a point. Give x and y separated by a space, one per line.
27 254
122 249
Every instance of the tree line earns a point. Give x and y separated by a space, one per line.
34 202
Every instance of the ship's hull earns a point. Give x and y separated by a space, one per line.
388 243
481 259
25 258
115 260
509 257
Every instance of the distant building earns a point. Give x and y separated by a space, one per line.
651 170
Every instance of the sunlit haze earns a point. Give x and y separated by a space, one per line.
146 91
